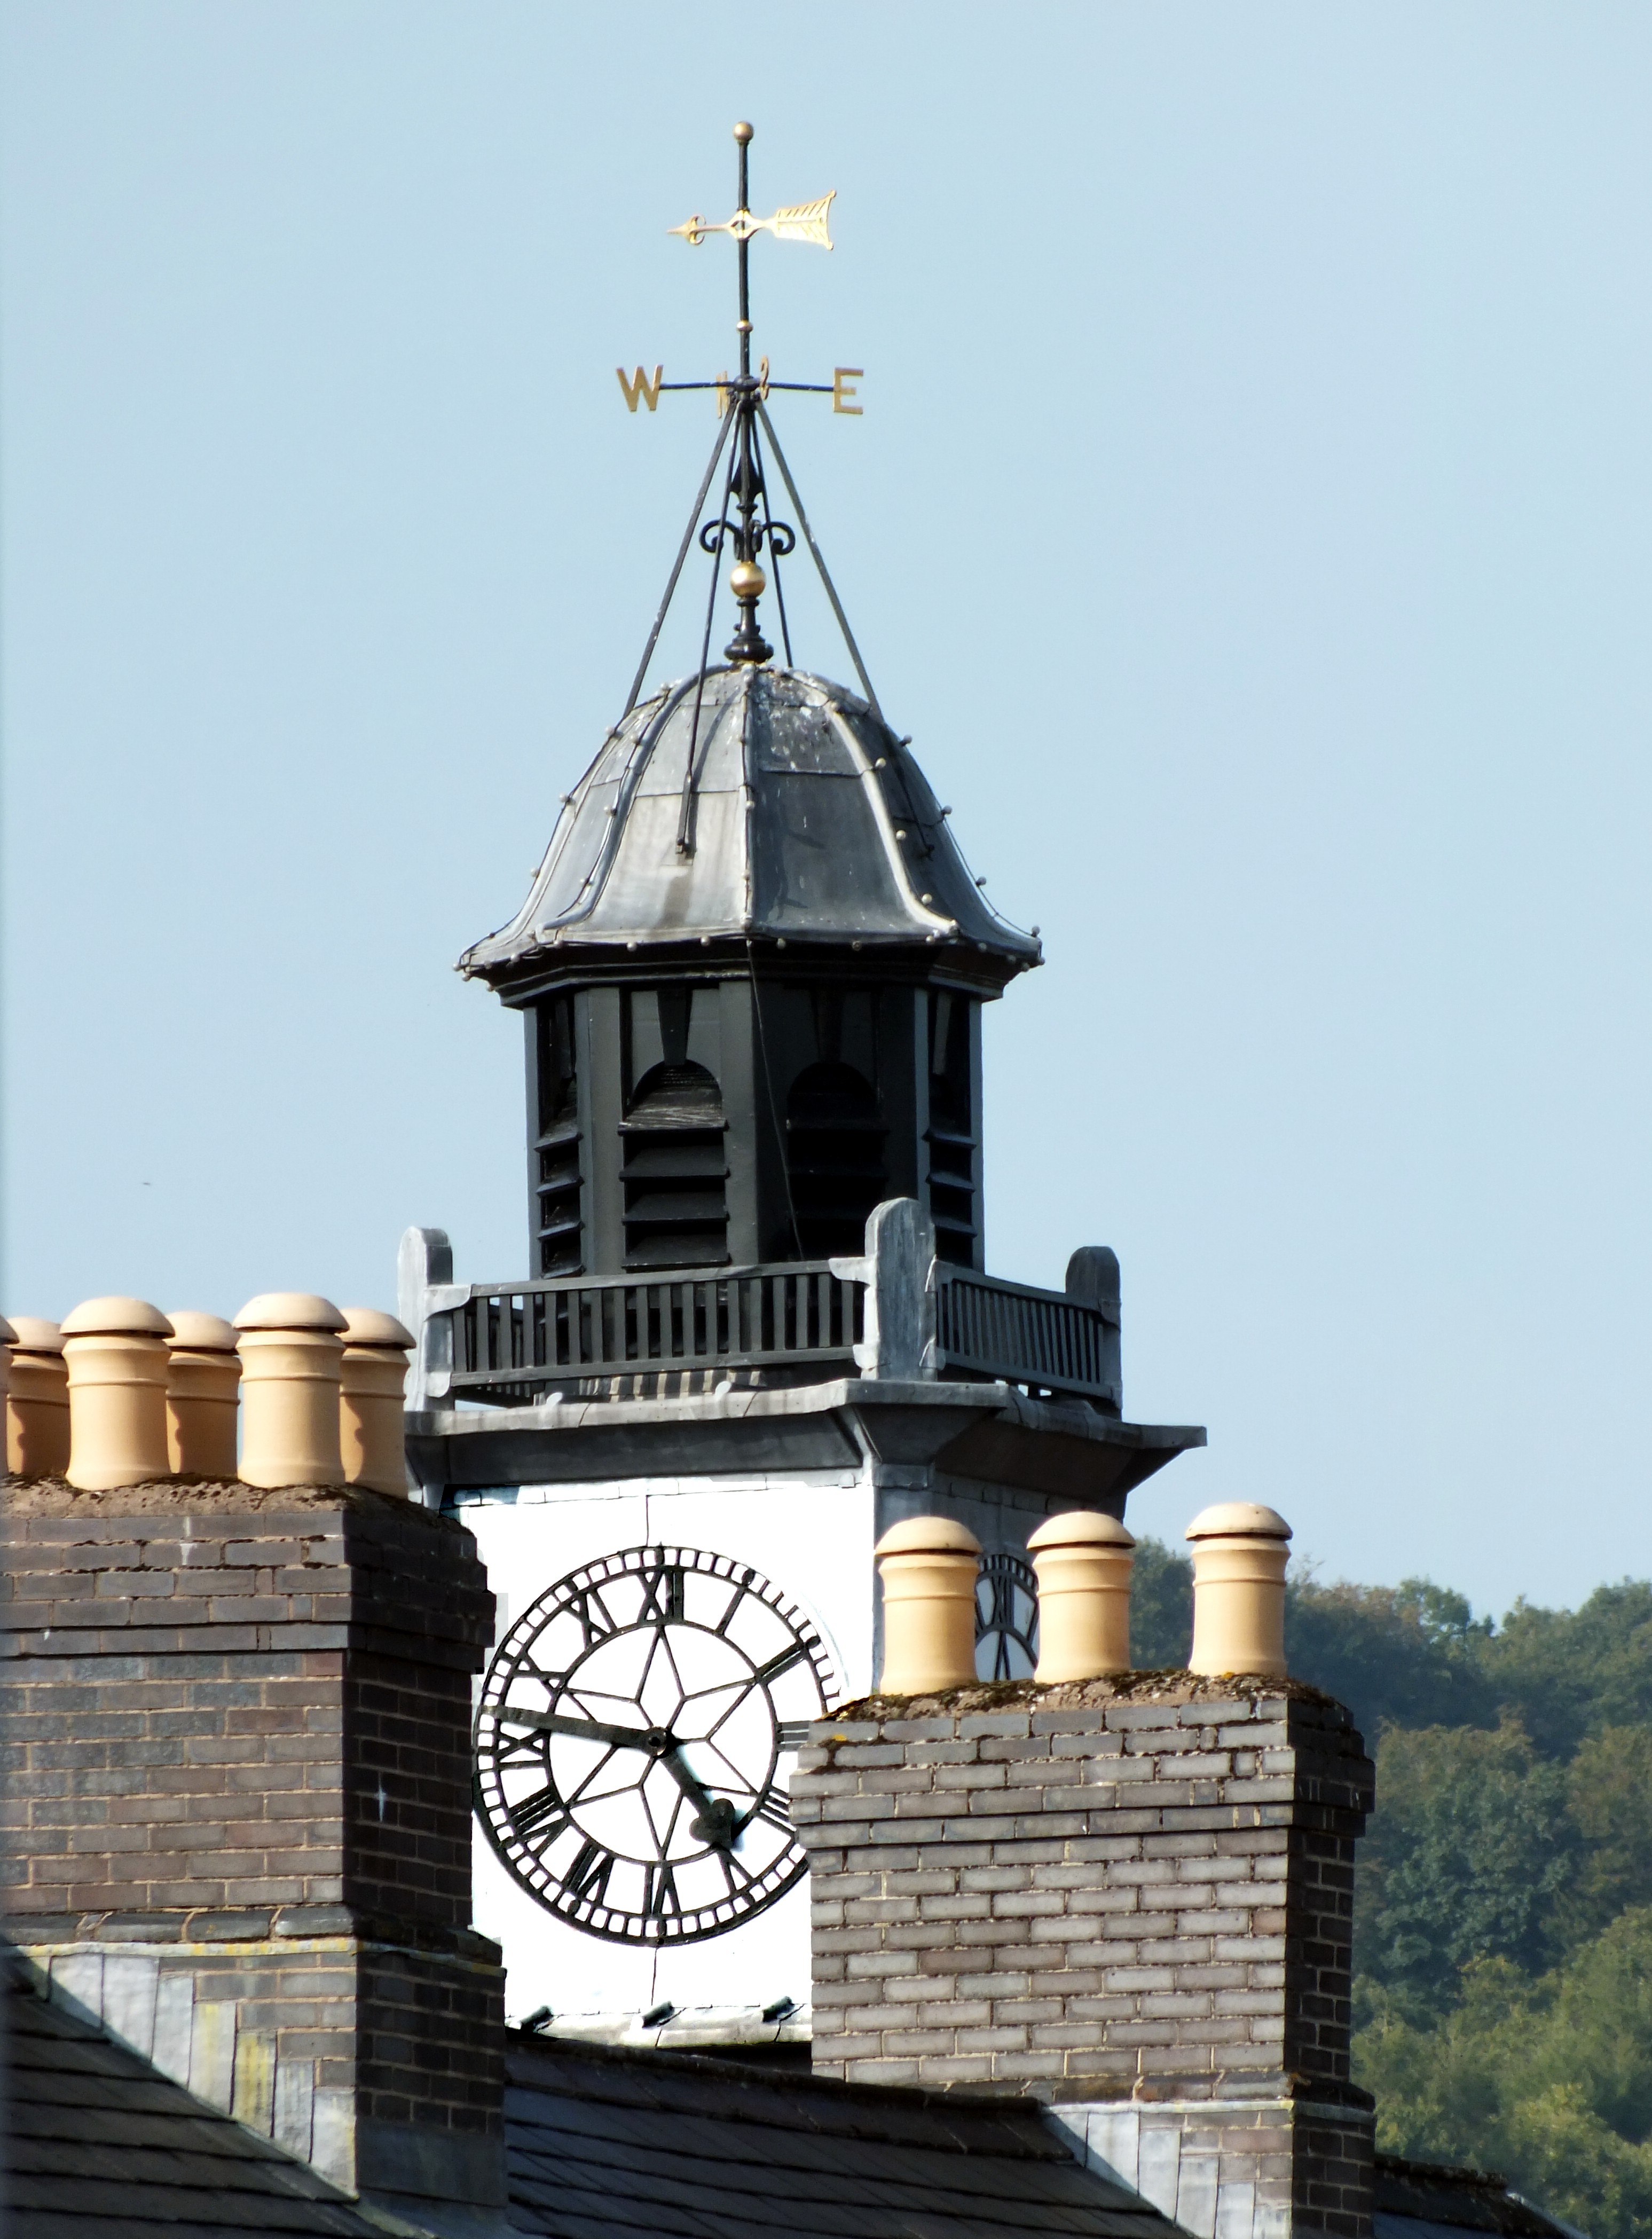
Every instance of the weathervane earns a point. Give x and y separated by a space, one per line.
741 410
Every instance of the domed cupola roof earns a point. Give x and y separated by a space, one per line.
803 819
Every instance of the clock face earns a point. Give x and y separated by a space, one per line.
634 1741
1006 1618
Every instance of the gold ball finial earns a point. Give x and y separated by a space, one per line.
742 132
746 580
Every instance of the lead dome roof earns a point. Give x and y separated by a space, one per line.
811 823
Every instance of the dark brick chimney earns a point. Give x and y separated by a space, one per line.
238 1801
1133 1899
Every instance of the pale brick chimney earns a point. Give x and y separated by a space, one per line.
1132 1899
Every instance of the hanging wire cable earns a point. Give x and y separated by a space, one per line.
825 579
773 1108
773 552
685 815
682 554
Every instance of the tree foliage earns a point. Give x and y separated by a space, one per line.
1504 1909
1549 2078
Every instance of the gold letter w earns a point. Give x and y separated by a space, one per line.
639 386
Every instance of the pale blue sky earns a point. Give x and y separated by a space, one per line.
1250 520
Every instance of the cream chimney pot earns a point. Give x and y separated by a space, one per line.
1239 1558
1083 1562
114 1350
36 1399
374 1375
202 1394
290 1353
929 1566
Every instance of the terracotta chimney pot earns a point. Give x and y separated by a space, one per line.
1239 1558
374 1376
929 1565
114 1350
202 1394
291 1353
1083 1562
36 1399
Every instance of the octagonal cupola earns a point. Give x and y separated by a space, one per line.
752 959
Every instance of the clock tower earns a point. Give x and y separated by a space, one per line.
757 1326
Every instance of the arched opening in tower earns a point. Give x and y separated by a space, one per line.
834 1147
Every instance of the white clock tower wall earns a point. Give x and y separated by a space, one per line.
812 1533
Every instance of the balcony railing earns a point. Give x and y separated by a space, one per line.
522 1341
1044 1340
898 1313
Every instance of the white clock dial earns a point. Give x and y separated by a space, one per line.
634 1739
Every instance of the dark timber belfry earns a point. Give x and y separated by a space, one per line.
734 1055
753 962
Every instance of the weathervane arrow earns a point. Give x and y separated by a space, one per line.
742 518
798 222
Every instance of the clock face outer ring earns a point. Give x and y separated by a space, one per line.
550 1805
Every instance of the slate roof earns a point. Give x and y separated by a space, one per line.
811 821
605 2141
1422 2200
608 2141
102 2147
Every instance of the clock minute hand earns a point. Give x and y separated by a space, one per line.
585 1730
718 1819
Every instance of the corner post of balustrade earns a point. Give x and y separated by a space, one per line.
426 1294
1093 1280
898 1271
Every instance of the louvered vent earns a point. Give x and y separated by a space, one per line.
674 1170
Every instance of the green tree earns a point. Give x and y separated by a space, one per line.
1410 1654
1609 1796
1161 1608
1548 2081
1569 1673
1469 1847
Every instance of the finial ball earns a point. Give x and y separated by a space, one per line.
746 580
742 132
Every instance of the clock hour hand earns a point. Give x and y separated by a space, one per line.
716 1819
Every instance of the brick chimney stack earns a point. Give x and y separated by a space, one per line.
1132 1899
239 1802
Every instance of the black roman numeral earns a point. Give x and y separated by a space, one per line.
662 1594
596 1621
588 1876
659 1896
784 1662
534 1812
734 1601
731 1866
774 1811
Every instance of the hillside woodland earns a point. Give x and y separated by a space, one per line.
1503 1991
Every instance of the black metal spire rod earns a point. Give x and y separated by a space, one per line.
676 568
744 516
748 647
